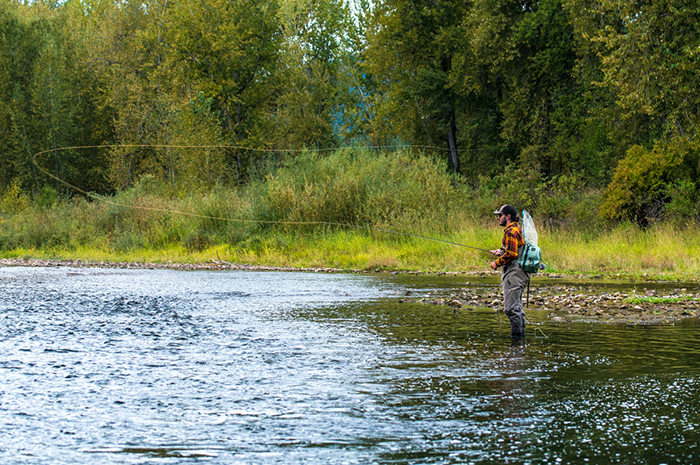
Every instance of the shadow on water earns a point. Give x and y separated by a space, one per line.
108 366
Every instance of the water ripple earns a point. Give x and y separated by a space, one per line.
129 366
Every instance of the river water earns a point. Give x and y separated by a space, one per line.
178 367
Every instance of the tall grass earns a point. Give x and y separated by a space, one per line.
361 187
663 249
351 209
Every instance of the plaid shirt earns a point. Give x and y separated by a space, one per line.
512 240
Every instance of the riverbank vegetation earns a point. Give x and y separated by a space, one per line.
298 131
350 209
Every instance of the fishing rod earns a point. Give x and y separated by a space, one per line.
196 215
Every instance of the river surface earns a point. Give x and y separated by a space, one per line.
102 366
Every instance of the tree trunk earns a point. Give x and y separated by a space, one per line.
452 141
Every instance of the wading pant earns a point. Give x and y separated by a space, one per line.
513 282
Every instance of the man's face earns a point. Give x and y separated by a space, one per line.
502 219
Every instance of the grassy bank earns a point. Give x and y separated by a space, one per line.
350 210
645 255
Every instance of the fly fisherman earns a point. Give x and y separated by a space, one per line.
513 278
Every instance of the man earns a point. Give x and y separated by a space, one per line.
513 278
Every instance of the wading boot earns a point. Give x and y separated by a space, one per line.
517 322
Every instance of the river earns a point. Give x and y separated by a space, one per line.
107 366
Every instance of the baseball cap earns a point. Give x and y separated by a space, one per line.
507 210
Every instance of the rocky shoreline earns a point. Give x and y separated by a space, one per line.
564 303
216 265
571 304
211 265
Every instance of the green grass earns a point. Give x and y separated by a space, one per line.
660 300
660 251
349 249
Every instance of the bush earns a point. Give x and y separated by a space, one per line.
13 200
683 201
196 241
640 191
39 228
128 241
551 200
47 198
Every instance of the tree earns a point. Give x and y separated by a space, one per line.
20 45
125 52
314 49
229 50
45 99
522 59
640 191
167 88
412 46
651 60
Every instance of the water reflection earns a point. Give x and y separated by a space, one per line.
183 367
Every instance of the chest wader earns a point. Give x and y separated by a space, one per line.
513 282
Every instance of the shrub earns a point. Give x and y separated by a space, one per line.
552 200
13 200
639 191
128 241
683 200
47 198
196 241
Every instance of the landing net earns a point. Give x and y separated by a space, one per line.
529 231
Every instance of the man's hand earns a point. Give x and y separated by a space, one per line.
493 265
497 252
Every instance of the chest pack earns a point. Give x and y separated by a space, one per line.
530 255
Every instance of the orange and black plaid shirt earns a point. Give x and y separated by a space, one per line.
512 240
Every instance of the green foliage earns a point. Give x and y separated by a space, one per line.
199 168
128 241
36 228
558 200
47 198
683 200
361 188
585 210
229 50
535 103
638 299
315 46
645 179
46 99
412 48
13 199
650 59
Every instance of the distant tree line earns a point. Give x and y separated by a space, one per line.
604 92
